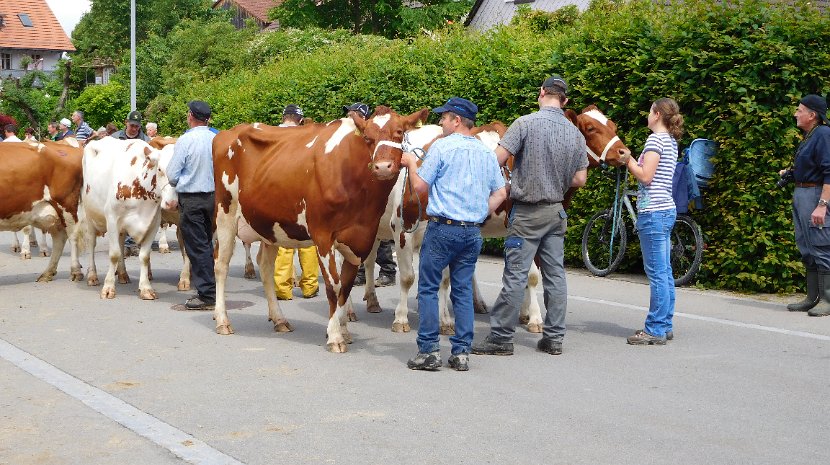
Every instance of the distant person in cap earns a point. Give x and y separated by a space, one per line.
64 129
82 129
386 276
132 128
152 129
191 172
811 173
550 158
292 115
465 185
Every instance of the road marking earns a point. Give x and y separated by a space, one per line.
691 316
181 444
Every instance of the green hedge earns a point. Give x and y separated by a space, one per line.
737 71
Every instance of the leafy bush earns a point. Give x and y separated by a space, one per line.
102 104
736 68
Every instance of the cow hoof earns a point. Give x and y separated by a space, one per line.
250 273
481 308
352 316
400 327
123 278
524 319
75 274
447 330
25 255
108 293
15 248
148 294
373 308
164 249
337 347
184 285
45 277
93 281
282 326
44 253
224 330
534 328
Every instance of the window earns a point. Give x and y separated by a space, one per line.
24 18
5 61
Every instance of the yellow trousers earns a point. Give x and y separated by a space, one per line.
284 272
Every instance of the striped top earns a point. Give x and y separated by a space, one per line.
462 173
657 195
83 132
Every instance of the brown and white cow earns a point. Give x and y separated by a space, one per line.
124 191
321 184
408 218
40 185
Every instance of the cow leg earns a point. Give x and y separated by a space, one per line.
406 278
531 313
338 286
31 236
145 289
25 246
184 276
266 258
15 243
369 294
75 270
123 277
92 272
447 320
58 242
116 244
226 227
250 271
42 246
164 247
479 305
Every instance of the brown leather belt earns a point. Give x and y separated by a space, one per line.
808 184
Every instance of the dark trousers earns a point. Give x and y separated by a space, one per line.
384 260
196 223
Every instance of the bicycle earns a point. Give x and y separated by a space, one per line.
605 238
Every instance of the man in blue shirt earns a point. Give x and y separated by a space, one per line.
82 131
465 184
191 172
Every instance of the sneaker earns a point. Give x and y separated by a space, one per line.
550 346
422 361
642 338
384 280
669 335
359 280
197 303
490 347
459 362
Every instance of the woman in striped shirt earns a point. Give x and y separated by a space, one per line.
656 214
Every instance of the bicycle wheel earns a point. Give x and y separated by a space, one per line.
602 248
686 250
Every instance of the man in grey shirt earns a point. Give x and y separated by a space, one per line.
132 128
550 157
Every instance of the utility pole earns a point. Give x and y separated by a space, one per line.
132 55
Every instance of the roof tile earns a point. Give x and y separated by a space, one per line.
46 32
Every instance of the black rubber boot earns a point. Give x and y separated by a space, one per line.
812 294
823 307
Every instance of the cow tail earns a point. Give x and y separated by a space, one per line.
79 231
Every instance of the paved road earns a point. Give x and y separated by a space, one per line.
125 381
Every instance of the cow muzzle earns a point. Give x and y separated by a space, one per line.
385 169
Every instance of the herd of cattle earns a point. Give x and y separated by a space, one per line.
336 185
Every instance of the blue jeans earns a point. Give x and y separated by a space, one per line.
654 229
457 247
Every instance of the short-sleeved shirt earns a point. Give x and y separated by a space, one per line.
657 195
191 167
549 150
83 132
462 173
62 136
812 160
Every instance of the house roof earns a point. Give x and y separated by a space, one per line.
46 32
256 8
486 14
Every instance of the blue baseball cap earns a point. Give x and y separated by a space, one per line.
459 106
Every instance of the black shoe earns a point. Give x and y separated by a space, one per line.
428 362
669 335
550 346
312 295
642 338
154 246
490 347
384 280
197 303
359 280
459 362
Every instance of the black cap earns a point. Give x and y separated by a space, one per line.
558 82
818 104
459 106
134 117
199 109
292 109
359 107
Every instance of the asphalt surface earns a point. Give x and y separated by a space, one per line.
124 381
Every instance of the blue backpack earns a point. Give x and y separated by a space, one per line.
699 156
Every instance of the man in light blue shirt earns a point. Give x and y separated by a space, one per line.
191 172
465 184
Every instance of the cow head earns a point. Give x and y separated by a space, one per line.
169 197
383 133
604 146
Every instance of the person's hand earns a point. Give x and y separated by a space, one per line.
409 160
781 172
817 218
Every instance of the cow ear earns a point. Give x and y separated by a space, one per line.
571 115
417 119
358 121
589 108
